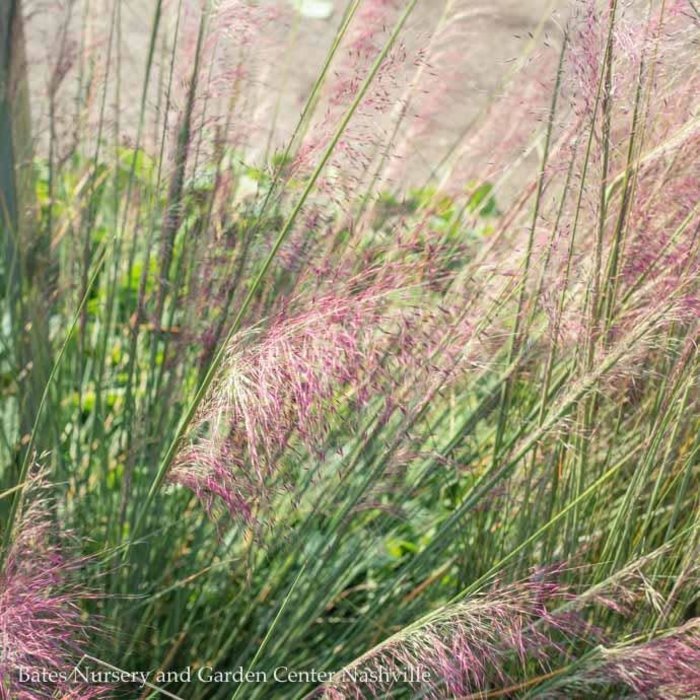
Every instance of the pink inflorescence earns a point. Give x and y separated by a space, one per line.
667 667
288 383
42 630
470 647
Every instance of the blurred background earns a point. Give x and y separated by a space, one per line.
475 55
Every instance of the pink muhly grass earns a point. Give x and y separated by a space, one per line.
667 667
649 248
358 146
482 643
229 82
500 640
361 45
584 62
362 139
291 380
216 476
42 627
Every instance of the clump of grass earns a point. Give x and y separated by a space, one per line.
327 421
43 633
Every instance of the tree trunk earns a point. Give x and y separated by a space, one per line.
24 278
